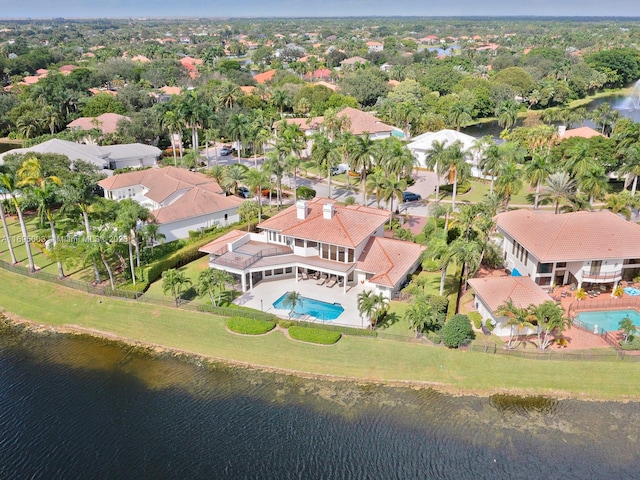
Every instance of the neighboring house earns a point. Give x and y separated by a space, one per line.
582 132
353 61
375 46
570 248
110 157
344 243
422 144
106 123
493 292
359 123
264 77
180 200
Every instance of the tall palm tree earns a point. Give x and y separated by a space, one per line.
325 155
361 160
393 189
460 115
376 184
174 281
274 165
454 160
256 179
631 166
233 176
435 160
536 171
194 113
292 300
507 113
516 318
42 188
594 182
6 228
367 305
130 214
438 249
621 204
559 187
238 127
509 181
172 121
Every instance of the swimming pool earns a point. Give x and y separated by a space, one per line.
608 320
631 291
321 310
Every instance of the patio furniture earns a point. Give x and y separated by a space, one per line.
303 276
332 282
321 280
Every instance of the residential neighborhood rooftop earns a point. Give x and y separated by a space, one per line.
495 291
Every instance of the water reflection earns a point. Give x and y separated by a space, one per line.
75 406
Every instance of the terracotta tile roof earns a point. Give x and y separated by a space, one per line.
107 122
362 122
306 123
264 77
354 60
248 89
584 132
221 242
388 259
194 203
328 85
495 291
171 90
575 236
350 226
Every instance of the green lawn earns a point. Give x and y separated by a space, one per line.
366 358
192 271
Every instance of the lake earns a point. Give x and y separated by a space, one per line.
77 407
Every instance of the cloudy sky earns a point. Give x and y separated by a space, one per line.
334 8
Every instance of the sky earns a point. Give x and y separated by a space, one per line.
312 8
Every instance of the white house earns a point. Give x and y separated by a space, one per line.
343 244
493 292
422 144
570 248
110 157
180 200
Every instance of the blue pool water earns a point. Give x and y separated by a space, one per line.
631 291
314 308
608 320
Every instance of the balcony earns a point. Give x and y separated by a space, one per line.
608 277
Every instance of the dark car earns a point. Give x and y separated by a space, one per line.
410 197
244 192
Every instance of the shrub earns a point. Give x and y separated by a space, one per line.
138 287
457 331
248 326
430 265
632 344
463 187
490 326
350 200
305 193
476 319
314 335
286 323
356 332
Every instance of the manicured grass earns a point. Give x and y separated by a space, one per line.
192 271
248 326
364 358
314 335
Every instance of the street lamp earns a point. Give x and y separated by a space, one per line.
261 309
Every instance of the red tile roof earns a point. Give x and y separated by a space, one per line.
584 132
265 76
390 260
495 291
350 226
221 242
576 236
107 122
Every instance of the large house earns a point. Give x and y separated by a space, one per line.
570 248
180 200
110 157
422 144
106 123
342 244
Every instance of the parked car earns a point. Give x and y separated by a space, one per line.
339 169
224 151
410 197
244 192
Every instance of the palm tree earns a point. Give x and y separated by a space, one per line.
6 229
516 318
509 181
604 116
460 115
238 127
194 113
129 215
559 187
281 99
255 180
247 211
454 160
292 300
507 113
580 158
435 160
151 234
174 281
375 184
361 160
594 182
628 328
367 305
382 306
234 175
393 189
631 166
11 188
537 170
325 155
438 249
211 280
550 320
274 165
621 204
172 121
421 315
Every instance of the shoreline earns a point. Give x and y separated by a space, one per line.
31 327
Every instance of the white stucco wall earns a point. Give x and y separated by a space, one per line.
181 228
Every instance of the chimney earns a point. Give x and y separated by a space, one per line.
301 209
561 130
327 211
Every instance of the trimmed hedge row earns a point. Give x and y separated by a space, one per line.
248 326
356 332
314 335
233 310
150 273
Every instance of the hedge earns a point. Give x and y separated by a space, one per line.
233 310
476 319
356 332
463 187
248 326
314 335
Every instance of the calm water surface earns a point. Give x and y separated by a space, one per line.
82 408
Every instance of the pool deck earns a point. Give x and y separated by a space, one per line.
265 292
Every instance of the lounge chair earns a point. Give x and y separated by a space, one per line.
321 280
303 276
332 282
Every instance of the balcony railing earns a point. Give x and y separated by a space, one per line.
602 277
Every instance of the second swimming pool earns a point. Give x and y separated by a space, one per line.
308 306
